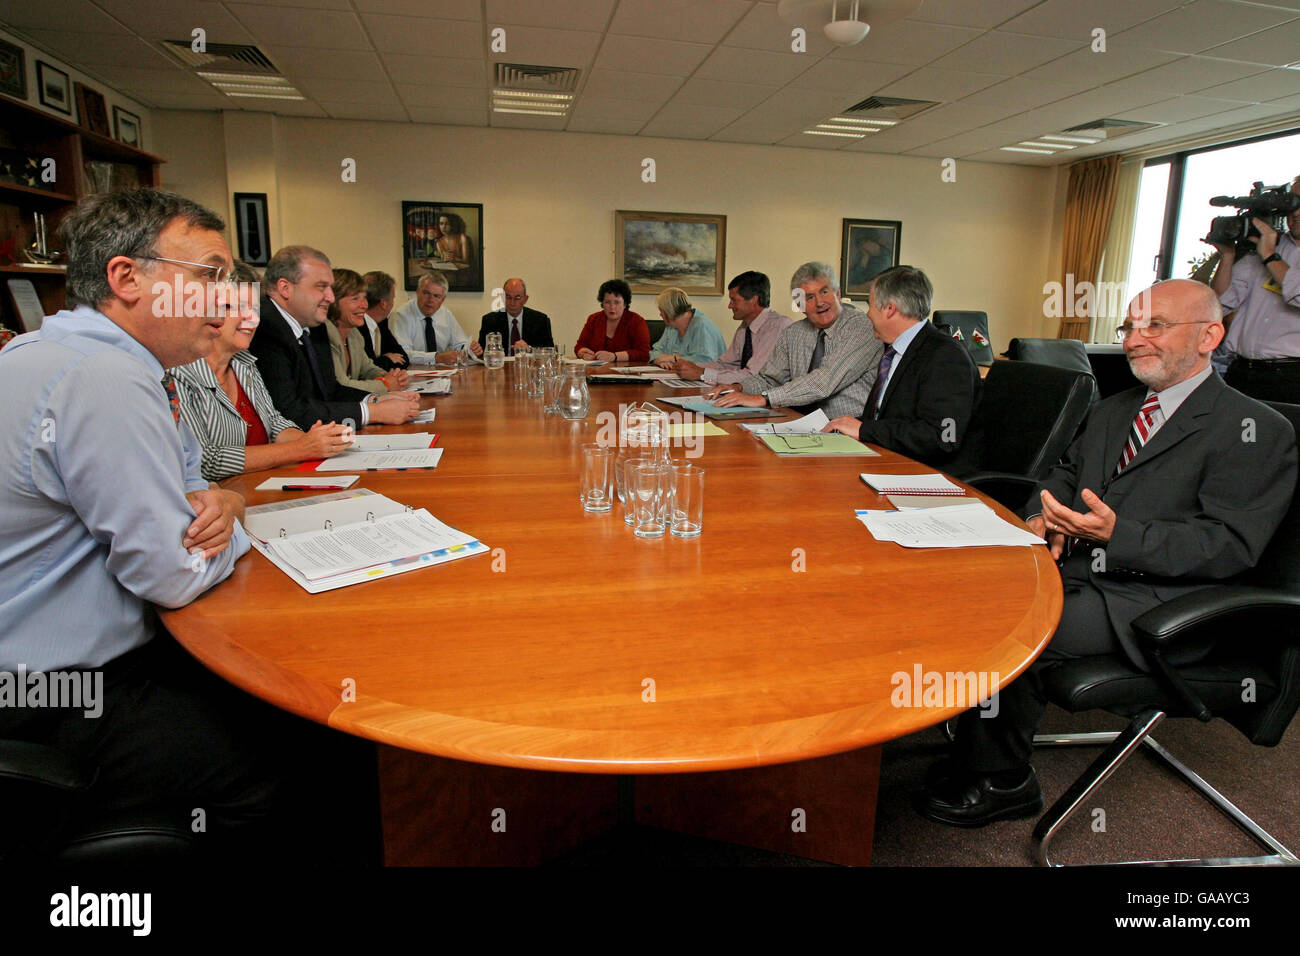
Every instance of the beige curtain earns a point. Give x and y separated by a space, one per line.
1109 306
1089 202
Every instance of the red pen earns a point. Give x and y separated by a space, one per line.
313 487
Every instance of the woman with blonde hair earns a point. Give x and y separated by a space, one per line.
687 334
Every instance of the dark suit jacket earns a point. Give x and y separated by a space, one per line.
387 343
928 410
1197 504
288 377
535 328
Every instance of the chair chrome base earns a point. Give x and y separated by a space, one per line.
1121 745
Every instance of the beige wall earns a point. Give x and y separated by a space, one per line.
549 202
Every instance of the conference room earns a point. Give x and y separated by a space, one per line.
550 686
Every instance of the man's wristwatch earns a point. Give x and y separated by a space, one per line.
1273 258
767 402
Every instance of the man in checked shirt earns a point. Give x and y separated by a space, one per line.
826 361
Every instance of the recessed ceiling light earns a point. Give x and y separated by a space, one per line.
1071 139
270 96
1030 142
531 112
1022 149
820 132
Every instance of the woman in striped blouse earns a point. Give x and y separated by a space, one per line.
225 402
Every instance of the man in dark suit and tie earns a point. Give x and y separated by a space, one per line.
293 352
518 325
927 389
1176 485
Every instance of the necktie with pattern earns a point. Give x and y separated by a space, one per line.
819 351
173 396
747 351
882 376
1145 424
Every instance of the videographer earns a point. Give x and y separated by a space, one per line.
1264 288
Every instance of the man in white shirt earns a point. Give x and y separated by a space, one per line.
425 327
748 297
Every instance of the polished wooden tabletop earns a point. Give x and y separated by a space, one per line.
774 636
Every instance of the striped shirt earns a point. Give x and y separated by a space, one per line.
841 384
211 415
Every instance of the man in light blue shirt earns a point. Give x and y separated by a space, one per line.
104 514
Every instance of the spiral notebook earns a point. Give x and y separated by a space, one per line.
933 484
331 541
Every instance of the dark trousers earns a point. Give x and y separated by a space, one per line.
1278 382
174 737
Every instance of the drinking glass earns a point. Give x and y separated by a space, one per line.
686 508
650 482
597 478
523 366
628 459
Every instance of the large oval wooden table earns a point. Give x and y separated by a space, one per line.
771 641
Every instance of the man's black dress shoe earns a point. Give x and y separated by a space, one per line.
971 800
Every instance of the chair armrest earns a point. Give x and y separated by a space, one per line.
1184 617
38 764
1008 488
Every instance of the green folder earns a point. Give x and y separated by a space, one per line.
815 446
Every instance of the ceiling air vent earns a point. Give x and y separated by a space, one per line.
889 108
1109 129
535 90
221 57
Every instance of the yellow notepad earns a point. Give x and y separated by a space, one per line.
694 429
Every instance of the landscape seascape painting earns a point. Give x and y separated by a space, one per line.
655 251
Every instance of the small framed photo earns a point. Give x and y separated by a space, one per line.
54 88
444 237
13 71
252 228
867 248
126 127
92 110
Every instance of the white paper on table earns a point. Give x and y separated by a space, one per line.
403 442
375 460
307 481
968 526
434 373
690 399
299 515
931 484
919 502
433 386
638 369
809 424
425 417
394 537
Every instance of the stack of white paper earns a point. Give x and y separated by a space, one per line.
403 442
967 526
431 386
808 425
934 484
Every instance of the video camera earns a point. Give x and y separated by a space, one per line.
1269 203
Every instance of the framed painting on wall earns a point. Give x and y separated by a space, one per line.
444 237
252 228
126 127
92 110
13 71
53 88
867 248
654 251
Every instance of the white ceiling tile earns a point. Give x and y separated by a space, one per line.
172 81
910 134
908 41
734 134
1178 110
611 126
1006 53
1286 103
625 85
690 122
570 14
1260 88
623 112
323 89
694 20
165 99
448 116
290 26
1015 159
1075 20
177 19
986 13
549 47
697 92
763 29
963 113
1194 73
527 121
1020 93
419 37
436 71
371 112
1091 69
336 64
804 107
302 4
76 15
851 77
281 107
930 83
430 9
1203 24
1276 46
975 141
667 57
809 141
83 48
461 98
740 65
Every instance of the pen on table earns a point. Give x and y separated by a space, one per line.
313 487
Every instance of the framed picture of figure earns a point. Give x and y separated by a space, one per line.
444 237
867 248
252 228
654 251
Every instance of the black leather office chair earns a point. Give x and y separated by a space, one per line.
1253 628
1063 353
656 330
974 329
1110 368
39 786
1029 414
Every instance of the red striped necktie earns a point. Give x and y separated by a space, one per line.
1145 424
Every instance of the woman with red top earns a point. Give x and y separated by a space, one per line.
615 333
225 402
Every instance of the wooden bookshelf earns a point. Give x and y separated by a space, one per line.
31 132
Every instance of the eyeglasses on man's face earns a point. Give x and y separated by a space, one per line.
222 275
1150 330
